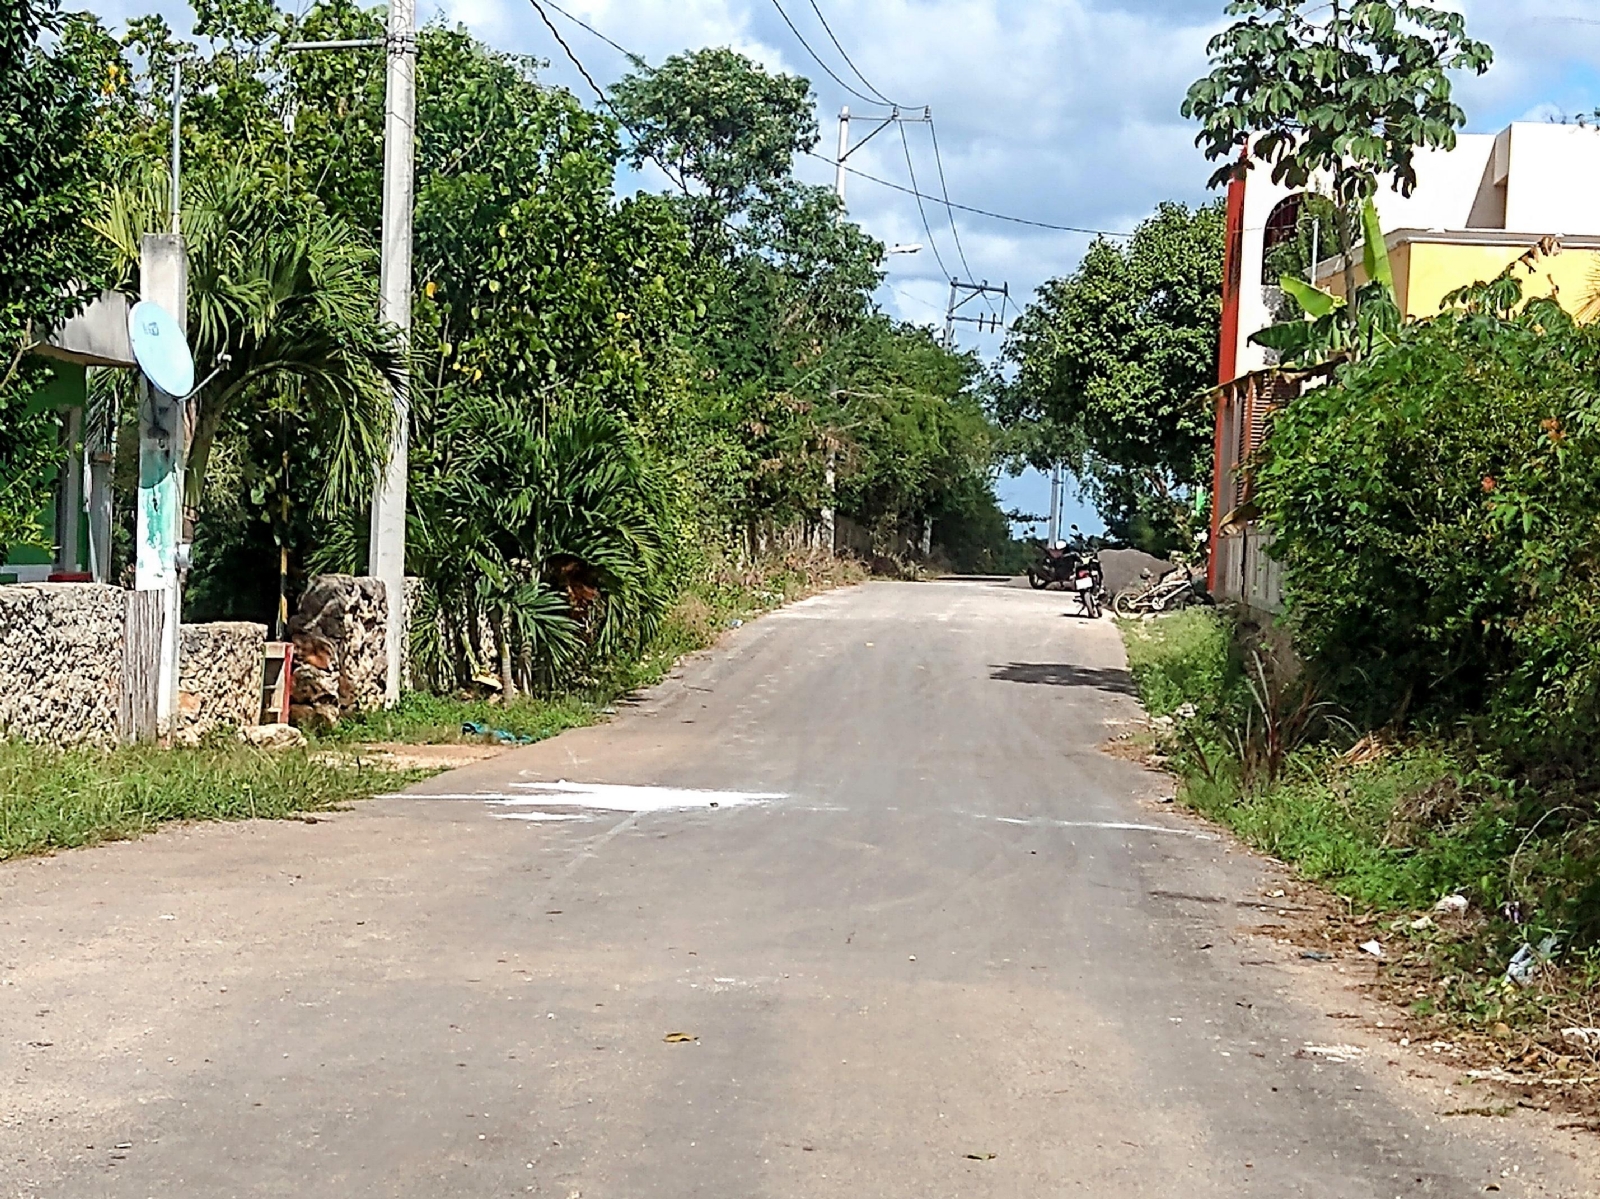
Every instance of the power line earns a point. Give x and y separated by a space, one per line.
865 82
926 228
637 60
910 191
994 216
944 189
600 92
799 37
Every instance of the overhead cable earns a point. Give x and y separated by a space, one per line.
637 59
865 82
944 190
538 7
910 191
800 37
926 228
994 216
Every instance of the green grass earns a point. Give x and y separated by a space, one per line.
57 799
421 719
1391 830
1184 658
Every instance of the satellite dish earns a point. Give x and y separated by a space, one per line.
160 348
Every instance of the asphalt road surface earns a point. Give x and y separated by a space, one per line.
930 942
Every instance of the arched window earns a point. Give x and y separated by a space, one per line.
1283 225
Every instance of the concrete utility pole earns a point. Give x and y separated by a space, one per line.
962 294
160 559
1055 505
844 153
164 280
386 553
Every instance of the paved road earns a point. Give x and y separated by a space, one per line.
951 928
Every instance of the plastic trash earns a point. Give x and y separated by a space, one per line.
1372 947
1526 961
1455 905
476 728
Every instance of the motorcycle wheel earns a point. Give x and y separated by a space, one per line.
1035 581
1125 603
1091 605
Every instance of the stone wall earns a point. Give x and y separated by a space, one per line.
219 677
339 662
61 662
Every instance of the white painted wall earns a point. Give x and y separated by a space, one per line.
1552 179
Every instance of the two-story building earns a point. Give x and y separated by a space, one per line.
1476 210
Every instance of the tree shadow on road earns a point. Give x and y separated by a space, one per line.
1066 674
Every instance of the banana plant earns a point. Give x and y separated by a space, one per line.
1330 327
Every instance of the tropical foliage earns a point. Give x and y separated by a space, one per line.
1342 95
1112 365
608 392
1435 511
48 266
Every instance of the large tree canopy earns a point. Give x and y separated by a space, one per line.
1336 94
1112 363
48 262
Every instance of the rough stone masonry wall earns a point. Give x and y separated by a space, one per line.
61 662
219 677
340 666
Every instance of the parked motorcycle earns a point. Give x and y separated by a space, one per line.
1072 567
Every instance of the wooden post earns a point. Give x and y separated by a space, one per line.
141 666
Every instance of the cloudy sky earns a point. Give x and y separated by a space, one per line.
1059 111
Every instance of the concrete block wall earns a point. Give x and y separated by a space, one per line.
61 667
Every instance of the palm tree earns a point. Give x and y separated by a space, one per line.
542 523
283 305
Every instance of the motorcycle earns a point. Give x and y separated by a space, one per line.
1074 568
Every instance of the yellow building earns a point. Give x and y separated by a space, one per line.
1429 264
1530 192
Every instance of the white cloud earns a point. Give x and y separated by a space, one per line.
1064 111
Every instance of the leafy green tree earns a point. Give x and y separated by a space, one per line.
717 119
547 339
1112 365
49 265
1347 91
283 309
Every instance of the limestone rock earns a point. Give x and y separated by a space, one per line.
340 666
219 677
61 662
273 736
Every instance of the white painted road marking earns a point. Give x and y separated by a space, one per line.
617 797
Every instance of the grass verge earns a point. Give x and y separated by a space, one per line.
1390 825
58 799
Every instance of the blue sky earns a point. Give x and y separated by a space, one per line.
1060 111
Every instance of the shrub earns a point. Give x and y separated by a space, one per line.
1437 512
1188 657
